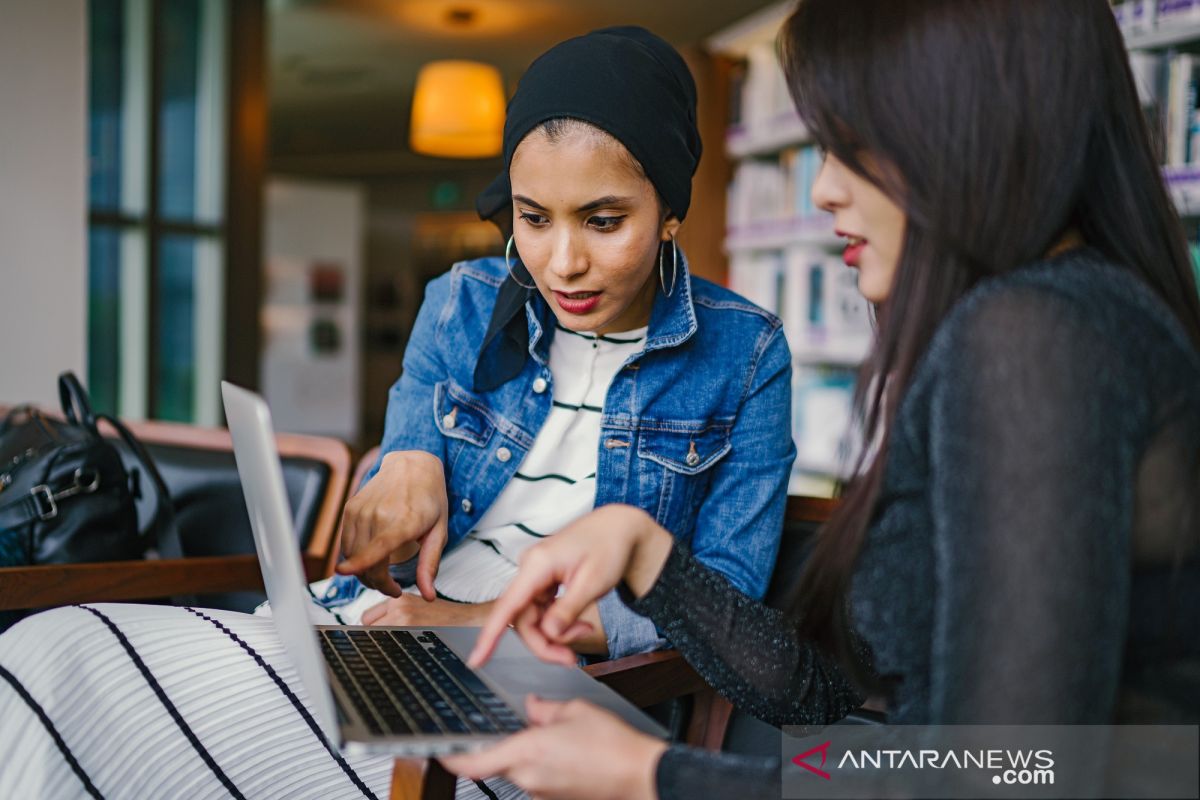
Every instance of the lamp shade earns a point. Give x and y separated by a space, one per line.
458 110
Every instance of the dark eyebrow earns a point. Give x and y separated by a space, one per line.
600 202
608 200
520 198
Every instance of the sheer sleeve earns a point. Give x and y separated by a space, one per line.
1033 443
748 652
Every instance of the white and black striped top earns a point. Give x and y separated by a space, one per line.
556 482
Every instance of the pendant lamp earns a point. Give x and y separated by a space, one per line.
458 110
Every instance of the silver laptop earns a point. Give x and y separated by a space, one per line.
402 691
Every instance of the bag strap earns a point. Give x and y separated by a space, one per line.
166 531
41 502
76 405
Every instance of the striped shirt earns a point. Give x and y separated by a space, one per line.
555 484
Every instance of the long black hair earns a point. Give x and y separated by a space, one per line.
1003 124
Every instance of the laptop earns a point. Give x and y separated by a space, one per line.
402 691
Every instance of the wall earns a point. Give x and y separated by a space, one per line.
311 382
43 185
703 233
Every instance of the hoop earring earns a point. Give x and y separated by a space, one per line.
662 278
508 263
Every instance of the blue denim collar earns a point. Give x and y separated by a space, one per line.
673 319
507 344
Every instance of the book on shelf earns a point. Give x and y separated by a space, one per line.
1136 17
764 95
822 402
1181 95
773 189
825 318
737 90
1169 93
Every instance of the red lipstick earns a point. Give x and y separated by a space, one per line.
578 303
852 255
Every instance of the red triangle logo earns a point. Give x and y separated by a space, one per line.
823 749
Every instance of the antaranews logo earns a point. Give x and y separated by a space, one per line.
1010 767
1002 762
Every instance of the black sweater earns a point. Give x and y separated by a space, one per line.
1032 559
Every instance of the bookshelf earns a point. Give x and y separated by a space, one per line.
783 253
1163 40
780 131
815 230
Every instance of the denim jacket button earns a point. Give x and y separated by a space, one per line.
539 385
451 419
503 454
466 506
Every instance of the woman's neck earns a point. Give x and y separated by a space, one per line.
1070 240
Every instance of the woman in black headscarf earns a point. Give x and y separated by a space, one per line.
593 343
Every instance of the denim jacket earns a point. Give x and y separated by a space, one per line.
695 429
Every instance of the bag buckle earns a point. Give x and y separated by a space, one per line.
47 509
45 502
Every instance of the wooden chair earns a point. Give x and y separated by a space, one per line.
183 452
651 678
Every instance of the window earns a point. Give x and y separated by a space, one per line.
157 259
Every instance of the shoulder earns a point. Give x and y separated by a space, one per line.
1079 293
467 286
1058 317
490 271
722 312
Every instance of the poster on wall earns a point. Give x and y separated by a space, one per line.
314 250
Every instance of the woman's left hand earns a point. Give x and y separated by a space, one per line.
572 750
411 609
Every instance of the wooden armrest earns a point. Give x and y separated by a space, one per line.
648 678
421 779
62 584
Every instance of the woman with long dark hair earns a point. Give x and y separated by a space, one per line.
1019 544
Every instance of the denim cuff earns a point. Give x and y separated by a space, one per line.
404 572
627 632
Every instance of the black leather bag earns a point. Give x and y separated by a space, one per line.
66 496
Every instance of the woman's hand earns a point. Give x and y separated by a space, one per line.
573 751
587 558
404 503
408 609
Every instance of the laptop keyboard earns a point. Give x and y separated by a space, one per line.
405 684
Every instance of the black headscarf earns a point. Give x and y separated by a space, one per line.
625 81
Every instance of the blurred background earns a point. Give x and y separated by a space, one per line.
260 189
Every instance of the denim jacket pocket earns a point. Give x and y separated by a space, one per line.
459 415
676 467
688 452
464 420
468 426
